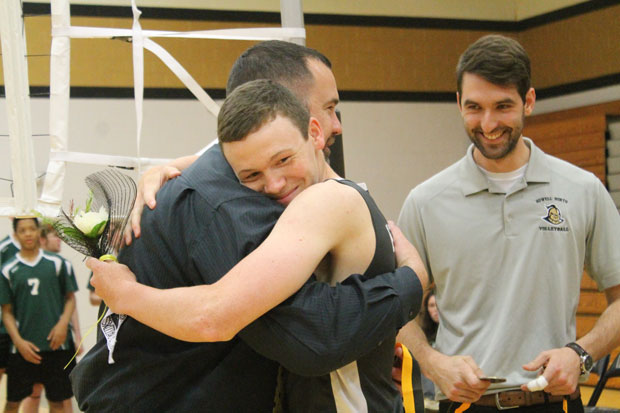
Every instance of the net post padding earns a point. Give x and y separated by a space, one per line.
15 65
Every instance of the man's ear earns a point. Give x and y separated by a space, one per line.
316 133
530 99
458 100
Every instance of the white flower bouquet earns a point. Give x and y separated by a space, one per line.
91 223
97 230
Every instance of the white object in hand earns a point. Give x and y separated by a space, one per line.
88 221
538 384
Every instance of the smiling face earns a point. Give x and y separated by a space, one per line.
276 159
493 116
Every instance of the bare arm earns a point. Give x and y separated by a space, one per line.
406 254
562 369
150 183
153 179
321 327
605 335
28 350
94 298
77 332
58 334
307 230
456 376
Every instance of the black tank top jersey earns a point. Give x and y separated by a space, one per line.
366 384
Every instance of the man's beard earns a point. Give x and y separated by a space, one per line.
497 151
326 150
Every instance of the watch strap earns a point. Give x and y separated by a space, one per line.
577 348
583 356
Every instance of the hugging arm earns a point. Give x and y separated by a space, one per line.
335 324
148 186
318 329
322 327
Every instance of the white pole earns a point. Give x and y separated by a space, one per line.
60 61
292 15
15 65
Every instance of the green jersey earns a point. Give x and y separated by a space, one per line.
8 248
37 291
70 271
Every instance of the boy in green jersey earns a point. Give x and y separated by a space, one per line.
36 293
50 242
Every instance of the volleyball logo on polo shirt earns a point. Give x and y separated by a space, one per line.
554 215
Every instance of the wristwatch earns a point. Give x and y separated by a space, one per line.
585 359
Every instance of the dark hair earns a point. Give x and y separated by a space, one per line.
253 104
16 221
429 327
47 229
282 62
498 59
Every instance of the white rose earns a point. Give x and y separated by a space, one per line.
91 223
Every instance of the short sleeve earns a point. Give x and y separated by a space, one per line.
6 297
410 223
71 274
602 252
68 277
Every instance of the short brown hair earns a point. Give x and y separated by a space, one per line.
498 59
255 103
47 229
282 62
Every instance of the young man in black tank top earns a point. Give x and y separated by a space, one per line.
275 148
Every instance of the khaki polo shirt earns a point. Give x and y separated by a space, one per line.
508 266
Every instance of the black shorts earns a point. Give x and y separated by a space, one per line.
51 373
5 350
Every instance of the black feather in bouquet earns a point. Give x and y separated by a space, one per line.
97 230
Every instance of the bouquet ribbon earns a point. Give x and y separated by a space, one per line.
108 257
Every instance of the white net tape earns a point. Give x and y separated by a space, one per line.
62 32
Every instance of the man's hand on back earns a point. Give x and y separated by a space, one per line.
150 183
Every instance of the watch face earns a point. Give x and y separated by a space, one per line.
587 362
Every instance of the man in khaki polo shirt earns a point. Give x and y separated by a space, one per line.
505 233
